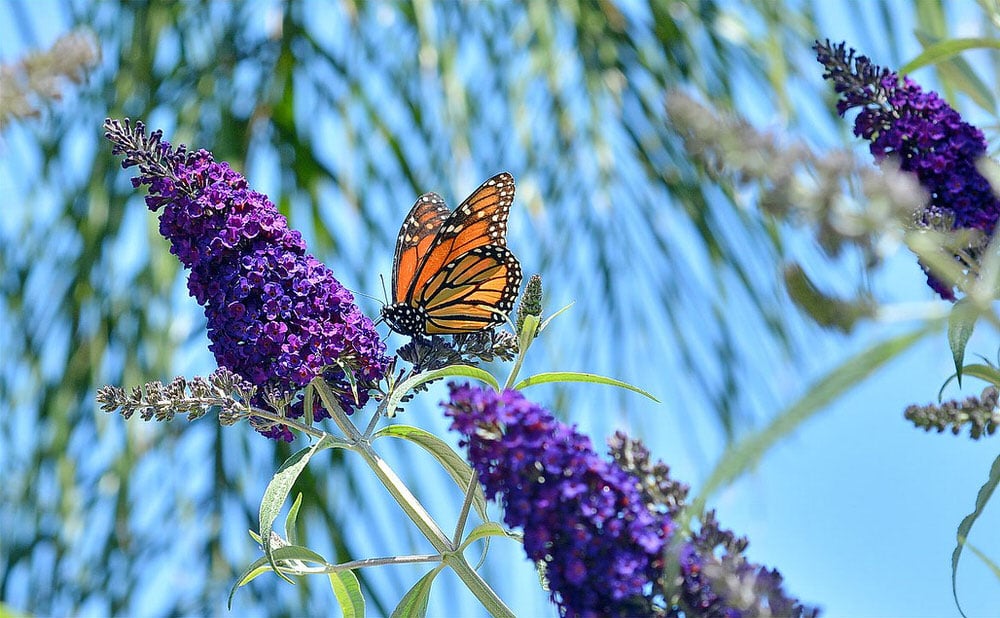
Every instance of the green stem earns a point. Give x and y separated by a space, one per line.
463 515
292 423
524 339
413 509
422 519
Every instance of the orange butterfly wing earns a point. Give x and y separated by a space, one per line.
419 229
478 221
452 271
475 291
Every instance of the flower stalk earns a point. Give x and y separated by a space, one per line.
415 511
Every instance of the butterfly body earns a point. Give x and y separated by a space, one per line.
452 272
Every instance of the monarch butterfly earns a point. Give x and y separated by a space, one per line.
452 272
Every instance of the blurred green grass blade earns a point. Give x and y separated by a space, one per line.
966 525
744 454
954 71
946 49
990 564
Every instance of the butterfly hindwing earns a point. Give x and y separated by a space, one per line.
474 292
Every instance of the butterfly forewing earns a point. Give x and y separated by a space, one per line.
478 221
419 229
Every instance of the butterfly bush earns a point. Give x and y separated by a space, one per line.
925 136
600 533
276 315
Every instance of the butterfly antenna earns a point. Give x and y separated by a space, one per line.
375 298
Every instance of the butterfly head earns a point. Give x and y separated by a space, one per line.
404 319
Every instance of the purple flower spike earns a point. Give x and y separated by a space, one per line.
276 315
583 517
925 136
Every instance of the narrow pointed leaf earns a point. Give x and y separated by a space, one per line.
741 457
309 405
488 529
947 48
293 515
452 462
983 372
396 397
961 321
573 376
414 602
277 492
347 589
264 565
966 524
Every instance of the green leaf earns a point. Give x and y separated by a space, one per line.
553 316
966 524
309 405
946 49
414 602
347 589
452 462
983 372
748 451
954 71
264 565
573 376
293 515
961 321
488 529
404 387
990 564
277 492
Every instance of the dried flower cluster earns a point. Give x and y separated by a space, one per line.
980 414
27 86
794 183
223 389
430 353
713 577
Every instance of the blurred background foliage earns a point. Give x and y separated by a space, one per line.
343 112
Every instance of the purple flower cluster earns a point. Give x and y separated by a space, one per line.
276 315
582 516
924 135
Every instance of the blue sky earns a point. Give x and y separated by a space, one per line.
857 509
